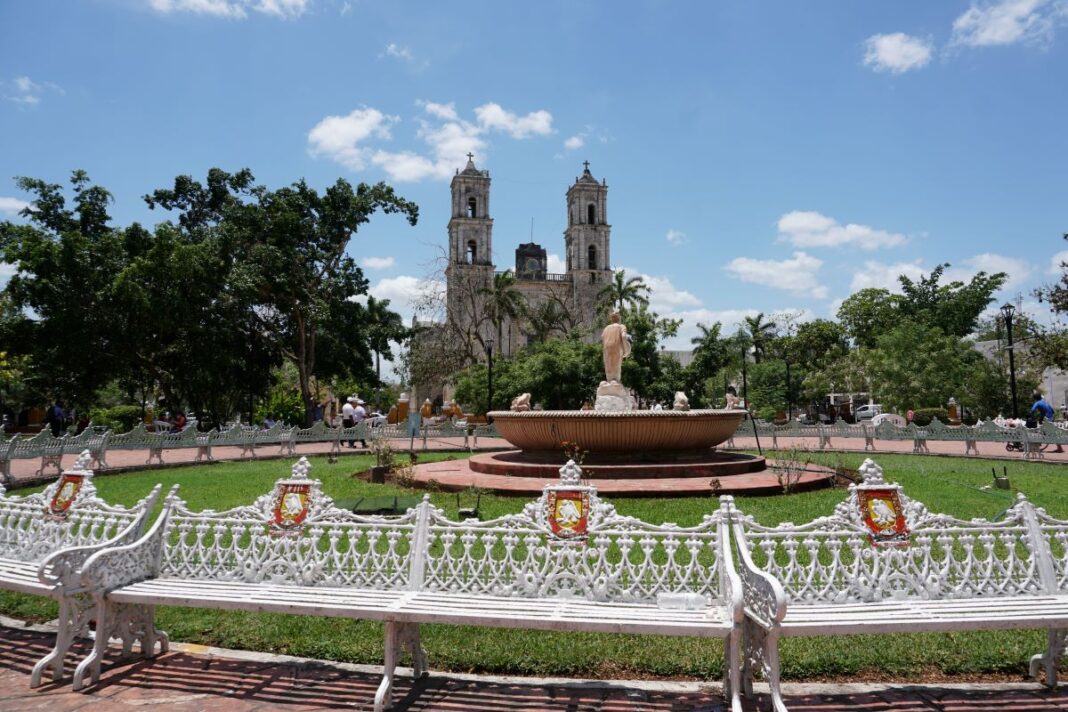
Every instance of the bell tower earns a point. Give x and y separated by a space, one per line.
471 227
587 240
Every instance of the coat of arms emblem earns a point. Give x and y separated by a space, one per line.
569 512
880 509
291 507
66 492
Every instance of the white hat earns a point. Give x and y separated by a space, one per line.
351 399
360 402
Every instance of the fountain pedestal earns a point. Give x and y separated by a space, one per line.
613 396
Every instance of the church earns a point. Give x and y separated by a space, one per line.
470 269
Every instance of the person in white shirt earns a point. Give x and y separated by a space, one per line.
348 416
359 415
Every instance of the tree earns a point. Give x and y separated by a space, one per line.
954 307
868 313
621 293
918 366
384 327
711 354
818 343
503 300
549 317
760 333
295 271
646 330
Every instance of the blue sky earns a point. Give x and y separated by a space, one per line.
759 156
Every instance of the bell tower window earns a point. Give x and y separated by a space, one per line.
591 256
472 208
472 252
591 214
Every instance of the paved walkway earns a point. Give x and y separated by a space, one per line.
936 447
196 678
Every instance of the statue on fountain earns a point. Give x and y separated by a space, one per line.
611 394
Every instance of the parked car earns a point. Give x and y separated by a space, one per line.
867 412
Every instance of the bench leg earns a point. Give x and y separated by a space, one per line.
761 653
384 695
74 615
130 623
411 640
732 670
1057 639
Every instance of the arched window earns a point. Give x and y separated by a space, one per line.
591 256
591 214
472 208
472 252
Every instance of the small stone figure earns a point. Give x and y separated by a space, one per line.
521 403
733 401
681 401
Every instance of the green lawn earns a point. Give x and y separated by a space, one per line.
944 484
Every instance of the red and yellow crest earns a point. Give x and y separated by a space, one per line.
569 512
291 507
880 509
66 492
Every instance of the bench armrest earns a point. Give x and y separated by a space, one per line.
63 568
765 599
119 566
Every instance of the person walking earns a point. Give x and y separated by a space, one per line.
348 416
56 418
359 415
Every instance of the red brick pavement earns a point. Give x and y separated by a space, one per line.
182 681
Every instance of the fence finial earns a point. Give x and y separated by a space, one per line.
301 469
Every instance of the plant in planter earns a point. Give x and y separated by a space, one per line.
384 458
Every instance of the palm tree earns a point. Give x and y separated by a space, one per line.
760 332
503 301
546 318
621 292
383 327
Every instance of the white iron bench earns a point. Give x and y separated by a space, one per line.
567 562
46 537
882 563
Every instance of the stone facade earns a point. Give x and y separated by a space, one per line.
587 244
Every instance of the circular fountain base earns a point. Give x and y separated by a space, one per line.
694 463
529 478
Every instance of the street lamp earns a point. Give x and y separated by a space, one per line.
789 399
489 359
1007 311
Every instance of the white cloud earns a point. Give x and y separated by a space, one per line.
806 228
1017 270
896 53
796 275
885 275
555 264
404 54
574 142
676 237
664 296
346 8
7 271
731 320
403 292
377 262
28 93
880 275
340 137
448 138
1054 262
12 206
536 123
232 9
1006 22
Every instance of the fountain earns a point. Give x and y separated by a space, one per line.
625 450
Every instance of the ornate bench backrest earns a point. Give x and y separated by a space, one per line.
569 543
67 513
859 554
293 535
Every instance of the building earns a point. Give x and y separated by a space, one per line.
471 269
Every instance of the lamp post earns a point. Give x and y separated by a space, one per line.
489 360
789 400
1007 311
745 383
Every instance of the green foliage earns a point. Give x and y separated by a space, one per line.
818 343
503 301
641 370
868 313
760 333
282 402
924 416
622 293
917 366
118 419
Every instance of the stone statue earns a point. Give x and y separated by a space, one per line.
616 348
733 401
681 401
521 403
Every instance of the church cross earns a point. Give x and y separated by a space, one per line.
470 156
586 164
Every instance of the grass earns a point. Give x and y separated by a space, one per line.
950 485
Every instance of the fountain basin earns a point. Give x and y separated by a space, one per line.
633 431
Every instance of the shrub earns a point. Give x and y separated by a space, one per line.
118 418
924 416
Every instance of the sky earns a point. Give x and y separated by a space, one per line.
760 156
